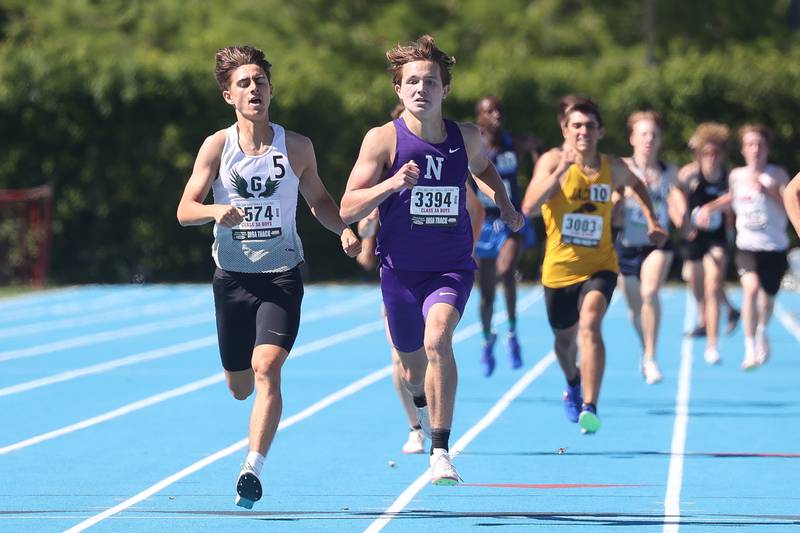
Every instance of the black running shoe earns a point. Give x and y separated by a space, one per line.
698 331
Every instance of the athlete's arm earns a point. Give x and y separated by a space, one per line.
776 185
477 213
791 201
487 178
546 179
304 162
364 192
621 175
681 216
191 209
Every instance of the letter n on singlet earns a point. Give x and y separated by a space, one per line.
435 166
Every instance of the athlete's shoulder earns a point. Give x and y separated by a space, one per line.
213 145
297 142
380 138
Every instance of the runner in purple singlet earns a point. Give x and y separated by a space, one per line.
414 169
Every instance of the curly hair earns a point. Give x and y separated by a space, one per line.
583 104
709 133
423 49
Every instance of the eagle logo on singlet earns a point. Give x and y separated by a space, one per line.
240 184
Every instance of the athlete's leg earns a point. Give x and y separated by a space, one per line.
750 290
632 289
441 377
566 349
267 362
240 383
714 263
696 283
590 343
487 280
506 271
654 271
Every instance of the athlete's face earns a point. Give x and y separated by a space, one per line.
582 131
421 90
249 92
754 149
710 156
645 138
490 114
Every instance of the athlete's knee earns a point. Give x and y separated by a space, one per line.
438 345
267 367
241 391
650 297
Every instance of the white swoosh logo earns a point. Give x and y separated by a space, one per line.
447 294
453 150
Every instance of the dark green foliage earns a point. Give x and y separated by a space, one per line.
109 101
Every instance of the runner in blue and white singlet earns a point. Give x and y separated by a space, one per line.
256 170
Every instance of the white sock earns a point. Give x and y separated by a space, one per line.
256 462
749 347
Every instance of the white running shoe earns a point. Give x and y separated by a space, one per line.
652 374
750 362
248 488
711 356
415 442
443 472
423 420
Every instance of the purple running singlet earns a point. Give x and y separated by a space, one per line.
427 228
425 239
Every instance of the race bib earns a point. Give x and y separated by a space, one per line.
755 218
582 230
434 206
262 219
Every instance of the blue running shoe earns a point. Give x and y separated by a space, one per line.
487 359
589 421
513 351
572 402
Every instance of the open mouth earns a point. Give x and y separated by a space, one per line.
255 101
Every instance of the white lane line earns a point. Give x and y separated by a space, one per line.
49 325
116 413
233 448
488 419
106 336
175 349
110 365
311 347
787 320
672 499
354 387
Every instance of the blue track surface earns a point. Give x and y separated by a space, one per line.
115 417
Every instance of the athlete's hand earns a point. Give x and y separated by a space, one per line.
406 177
703 218
568 157
658 235
512 218
227 215
350 243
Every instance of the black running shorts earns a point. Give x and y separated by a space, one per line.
255 309
769 266
564 304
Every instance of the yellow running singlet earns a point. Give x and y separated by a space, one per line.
578 223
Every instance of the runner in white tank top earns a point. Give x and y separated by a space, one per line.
256 169
755 194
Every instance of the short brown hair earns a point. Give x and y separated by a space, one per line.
710 133
755 127
583 104
423 49
638 116
230 58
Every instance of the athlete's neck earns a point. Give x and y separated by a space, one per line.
757 167
254 137
644 161
431 128
711 174
588 160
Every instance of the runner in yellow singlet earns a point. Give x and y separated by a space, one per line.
573 186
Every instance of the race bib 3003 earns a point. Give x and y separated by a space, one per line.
262 220
582 230
434 206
